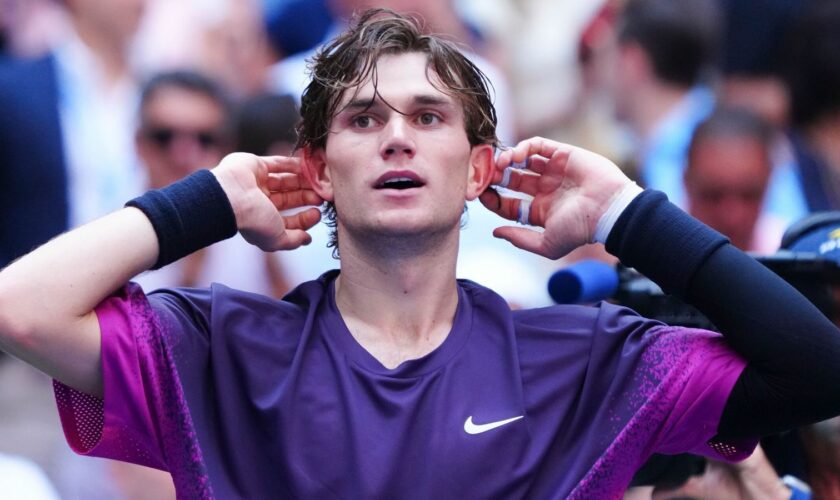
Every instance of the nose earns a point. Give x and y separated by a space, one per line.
398 139
186 154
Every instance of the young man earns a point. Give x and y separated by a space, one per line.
390 379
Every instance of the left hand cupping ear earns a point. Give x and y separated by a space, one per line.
559 187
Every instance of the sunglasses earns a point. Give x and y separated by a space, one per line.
163 137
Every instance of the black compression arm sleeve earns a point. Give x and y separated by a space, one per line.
793 351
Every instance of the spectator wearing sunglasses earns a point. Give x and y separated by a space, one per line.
185 125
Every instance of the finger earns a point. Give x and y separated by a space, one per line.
294 238
520 237
304 220
287 182
295 199
278 164
542 147
508 207
490 199
519 180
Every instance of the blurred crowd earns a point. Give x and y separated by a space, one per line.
731 107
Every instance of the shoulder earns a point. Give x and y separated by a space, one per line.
599 319
223 310
21 72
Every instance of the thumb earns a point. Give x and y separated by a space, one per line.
520 237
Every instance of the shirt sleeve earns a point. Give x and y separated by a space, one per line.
143 417
664 387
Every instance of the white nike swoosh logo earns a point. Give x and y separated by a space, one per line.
472 428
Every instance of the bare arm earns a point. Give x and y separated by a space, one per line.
47 298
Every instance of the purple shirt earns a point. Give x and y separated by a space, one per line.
240 395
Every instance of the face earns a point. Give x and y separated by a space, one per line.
118 19
725 183
397 160
181 132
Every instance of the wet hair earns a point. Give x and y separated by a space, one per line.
350 60
681 37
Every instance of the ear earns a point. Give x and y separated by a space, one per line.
315 171
481 169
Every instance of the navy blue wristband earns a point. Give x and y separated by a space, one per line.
187 215
661 241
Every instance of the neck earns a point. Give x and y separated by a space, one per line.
397 304
108 52
652 103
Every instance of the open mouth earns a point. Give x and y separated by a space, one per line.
399 183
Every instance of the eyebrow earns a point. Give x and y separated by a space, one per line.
420 99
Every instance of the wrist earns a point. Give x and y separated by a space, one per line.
233 190
187 215
619 202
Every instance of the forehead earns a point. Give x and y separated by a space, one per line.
398 78
180 105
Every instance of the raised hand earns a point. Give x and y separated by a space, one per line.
259 188
570 187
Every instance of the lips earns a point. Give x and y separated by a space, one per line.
399 180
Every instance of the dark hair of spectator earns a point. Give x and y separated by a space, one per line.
350 60
813 73
190 81
681 37
732 122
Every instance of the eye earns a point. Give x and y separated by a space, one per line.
362 121
428 119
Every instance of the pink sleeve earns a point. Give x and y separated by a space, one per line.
708 372
143 417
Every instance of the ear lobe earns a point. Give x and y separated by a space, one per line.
482 165
316 172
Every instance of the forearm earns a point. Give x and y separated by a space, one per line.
791 348
47 297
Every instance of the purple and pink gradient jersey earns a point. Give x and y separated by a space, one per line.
243 396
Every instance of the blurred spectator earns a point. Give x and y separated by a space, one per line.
289 35
30 28
664 50
750 479
819 235
822 450
185 126
66 127
756 35
236 50
592 123
224 39
814 81
726 178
